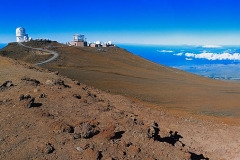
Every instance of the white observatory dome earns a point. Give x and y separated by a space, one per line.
97 42
20 31
21 35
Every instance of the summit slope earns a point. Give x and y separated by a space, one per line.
117 71
70 120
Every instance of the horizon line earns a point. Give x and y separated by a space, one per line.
164 44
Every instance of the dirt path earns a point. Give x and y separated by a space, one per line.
55 54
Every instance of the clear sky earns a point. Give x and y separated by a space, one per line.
124 21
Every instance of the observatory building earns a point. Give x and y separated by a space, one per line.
108 44
100 44
21 35
78 40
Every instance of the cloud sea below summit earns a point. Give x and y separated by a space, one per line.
214 61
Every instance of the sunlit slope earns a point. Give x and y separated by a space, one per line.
118 71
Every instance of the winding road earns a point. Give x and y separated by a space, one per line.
55 54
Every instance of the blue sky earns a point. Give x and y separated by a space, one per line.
124 21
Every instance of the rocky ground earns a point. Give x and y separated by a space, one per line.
44 115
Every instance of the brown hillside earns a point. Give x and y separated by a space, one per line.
121 72
69 120
14 51
118 71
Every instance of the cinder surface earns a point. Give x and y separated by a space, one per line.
118 127
169 114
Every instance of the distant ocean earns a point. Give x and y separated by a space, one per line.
219 62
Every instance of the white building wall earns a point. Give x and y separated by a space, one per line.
21 35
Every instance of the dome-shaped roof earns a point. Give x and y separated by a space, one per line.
98 42
20 31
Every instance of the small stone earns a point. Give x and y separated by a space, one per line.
162 113
36 90
9 84
50 82
85 130
21 97
77 96
47 148
77 83
30 102
42 95
27 96
151 132
60 126
79 149
6 84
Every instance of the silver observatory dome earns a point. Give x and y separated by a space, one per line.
20 31
21 35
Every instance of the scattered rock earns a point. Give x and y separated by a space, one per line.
127 144
29 102
77 83
36 90
7 100
62 83
34 81
50 82
21 97
46 148
92 95
6 84
59 126
42 95
56 72
85 130
151 132
79 149
9 84
85 87
46 114
27 96
77 96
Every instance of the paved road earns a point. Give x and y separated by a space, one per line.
55 54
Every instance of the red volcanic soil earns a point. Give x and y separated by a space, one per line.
155 112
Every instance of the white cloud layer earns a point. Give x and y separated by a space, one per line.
188 59
165 51
178 54
211 46
214 56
